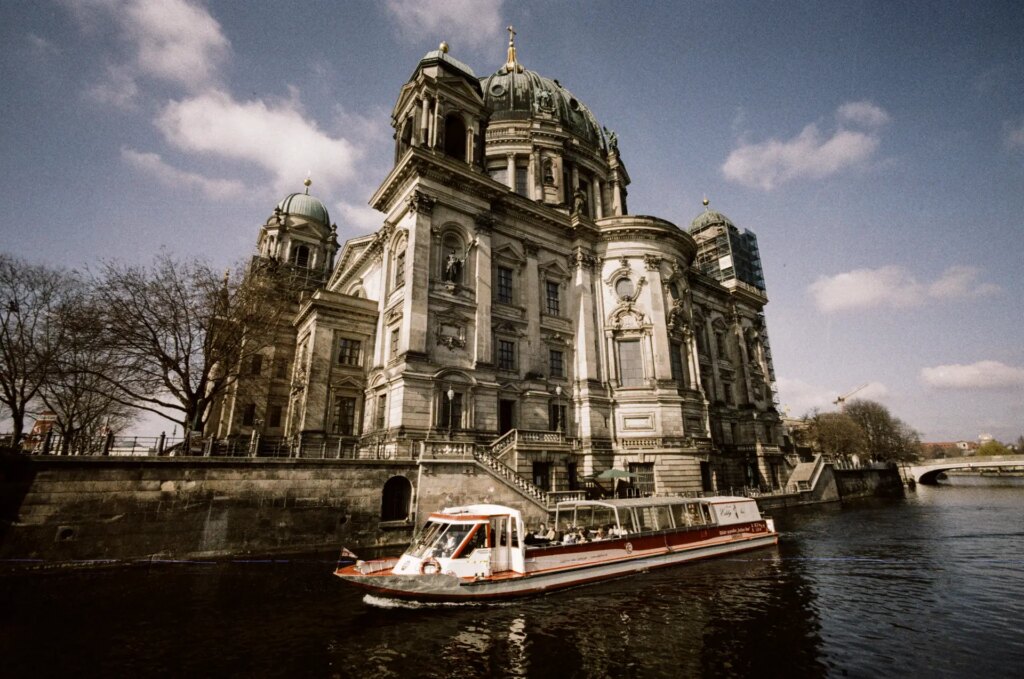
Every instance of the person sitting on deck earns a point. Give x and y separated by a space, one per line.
601 535
543 535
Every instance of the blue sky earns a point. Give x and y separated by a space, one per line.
876 148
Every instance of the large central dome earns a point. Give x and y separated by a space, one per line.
515 93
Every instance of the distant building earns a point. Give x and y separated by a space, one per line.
511 303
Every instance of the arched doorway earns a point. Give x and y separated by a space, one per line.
396 499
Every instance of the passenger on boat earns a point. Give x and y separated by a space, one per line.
581 534
601 535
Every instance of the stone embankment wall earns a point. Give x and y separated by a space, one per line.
56 510
78 510
858 483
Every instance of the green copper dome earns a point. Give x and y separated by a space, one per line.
708 218
304 205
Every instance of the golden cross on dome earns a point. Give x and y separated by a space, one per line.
511 65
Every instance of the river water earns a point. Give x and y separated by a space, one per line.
928 586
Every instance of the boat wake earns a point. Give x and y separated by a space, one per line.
384 602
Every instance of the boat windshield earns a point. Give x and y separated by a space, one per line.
439 540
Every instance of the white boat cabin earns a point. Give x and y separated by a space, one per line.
477 541
470 541
614 518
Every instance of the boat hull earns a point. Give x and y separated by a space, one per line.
615 559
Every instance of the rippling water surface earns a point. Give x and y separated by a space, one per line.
929 586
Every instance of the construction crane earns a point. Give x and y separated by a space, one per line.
842 399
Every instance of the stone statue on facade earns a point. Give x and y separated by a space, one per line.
453 268
579 202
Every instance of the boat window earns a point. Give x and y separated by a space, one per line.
439 540
694 515
478 540
706 511
664 518
427 537
646 518
679 515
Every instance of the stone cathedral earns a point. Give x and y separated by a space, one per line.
512 306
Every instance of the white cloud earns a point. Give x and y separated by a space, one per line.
894 287
358 218
1014 135
862 113
810 154
276 137
980 375
473 23
174 40
154 165
118 89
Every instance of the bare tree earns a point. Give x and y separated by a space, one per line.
31 333
76 393
182 332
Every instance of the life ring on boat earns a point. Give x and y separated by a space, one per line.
629 547
430 566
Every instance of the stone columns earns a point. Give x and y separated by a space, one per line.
598 200
511 158
482 349
532 360
424 121
662 348
417 281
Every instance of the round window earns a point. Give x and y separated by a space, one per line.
497 89
574 105
624 288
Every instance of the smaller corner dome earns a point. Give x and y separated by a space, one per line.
709 218
304 205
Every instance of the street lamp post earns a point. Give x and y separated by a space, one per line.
451 409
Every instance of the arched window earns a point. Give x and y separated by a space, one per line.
455 136
300 256
396 499
398 263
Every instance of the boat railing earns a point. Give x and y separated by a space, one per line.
375 566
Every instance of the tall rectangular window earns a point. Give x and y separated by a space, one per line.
399 269
631 369
504 288
553 305
249 415
274 413
676 359
345 415
720 344
349 351
521 184
394 344
382 403
506 355
727 389
256 365
450 416
556 362
556 416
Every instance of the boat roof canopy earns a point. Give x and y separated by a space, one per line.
627 503
474 511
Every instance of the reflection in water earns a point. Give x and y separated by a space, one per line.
928 585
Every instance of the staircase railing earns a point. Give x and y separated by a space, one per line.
510 475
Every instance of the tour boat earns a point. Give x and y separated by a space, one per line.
484 552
